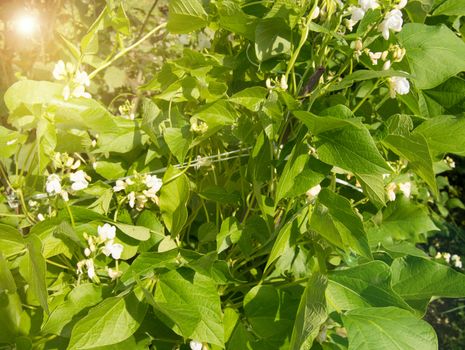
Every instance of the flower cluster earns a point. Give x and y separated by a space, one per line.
450 259
104 243
139 189
196 345
272 84
79 181
76 80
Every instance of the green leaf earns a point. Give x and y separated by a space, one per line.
30 92
217 114
146 263
36 269
251 98
178 141
401 220
294 166
444 134
232 18
450 8
186 16
11 241
311 314
387 328
272 38
112 321
363 286
140 233
334 219
220 195
174 195
414 148
434 53
7 281
416 279
191 301
66 314
230 233
271 314
10 141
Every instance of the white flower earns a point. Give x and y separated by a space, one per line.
315 13
313 192
87 252
115 249
392 21
106 232
374 57
78 180
446 257
90 268
120 185
64 195
391 191
53 184
40 217
59 72
438 255
387 65
283 82
458 264
82 78
153 182
114 274
405 188
203 41
80 91
132 199
195 345
66 92
184 39
398 85
368 4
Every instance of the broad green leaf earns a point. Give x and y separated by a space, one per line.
416 279
37 268
230 233
112 321
388 328
294 166
10 141
320 124
444 134
65 315
373 187
232 18
285 239
260 160
178 141
219 113
186 16
434 53
110 169
362 286
335 220
266 305
146 263
191 301
401 220
450 95
30 92
7 281
11 241
251 98
174 195
272 38
450 8
414 148
10 316
137 232
311 314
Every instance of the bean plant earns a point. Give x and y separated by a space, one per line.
233 174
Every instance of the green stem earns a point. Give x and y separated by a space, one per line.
126 50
